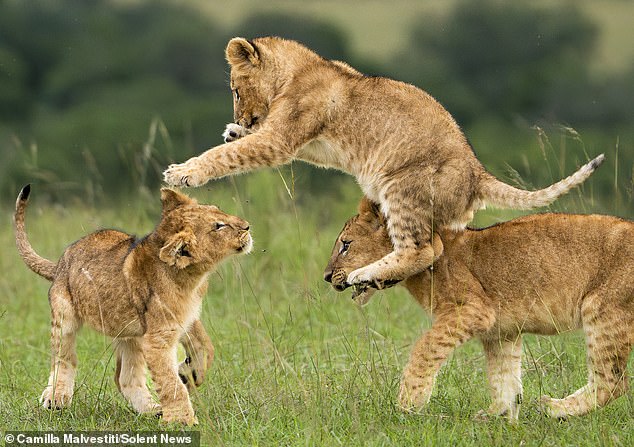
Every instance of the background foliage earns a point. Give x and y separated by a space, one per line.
98 96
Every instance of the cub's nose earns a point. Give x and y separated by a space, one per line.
328 276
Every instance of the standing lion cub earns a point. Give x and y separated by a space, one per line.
405 150
145 292
542 274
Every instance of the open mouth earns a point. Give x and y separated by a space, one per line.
245 245
361 294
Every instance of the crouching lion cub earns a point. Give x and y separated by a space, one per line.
541 274
143 292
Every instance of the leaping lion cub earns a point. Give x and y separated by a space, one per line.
542 274
405 150
145 293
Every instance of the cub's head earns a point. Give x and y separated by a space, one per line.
259 69
198 235
363 240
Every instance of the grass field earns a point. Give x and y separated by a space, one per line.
296 363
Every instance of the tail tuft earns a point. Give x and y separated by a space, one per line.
24 193
594 164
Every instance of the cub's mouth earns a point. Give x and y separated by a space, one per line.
246 244
361 293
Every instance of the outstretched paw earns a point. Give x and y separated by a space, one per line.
184 174
190 375
233 132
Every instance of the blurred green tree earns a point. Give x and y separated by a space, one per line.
502 58
83 80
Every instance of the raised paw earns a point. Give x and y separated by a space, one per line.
190 375
233 132
56 398
184 174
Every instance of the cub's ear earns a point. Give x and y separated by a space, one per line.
240 51
371 212
179 250
173 199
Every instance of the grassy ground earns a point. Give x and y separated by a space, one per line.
296 363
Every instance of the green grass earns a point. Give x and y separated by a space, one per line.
296 363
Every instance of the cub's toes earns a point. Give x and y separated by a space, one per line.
553 407
180 175
190 376
233 132
56 401
170 177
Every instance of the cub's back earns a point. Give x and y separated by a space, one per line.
92 268
554 253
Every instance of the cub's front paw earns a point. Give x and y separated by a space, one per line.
414 394
184 174
191 373
56 398
179 416
233 132
555 408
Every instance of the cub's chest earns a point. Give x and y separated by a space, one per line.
325 153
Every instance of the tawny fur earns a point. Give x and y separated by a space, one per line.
542 274
403 147
145 293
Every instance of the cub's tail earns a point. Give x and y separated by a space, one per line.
35 262
498 194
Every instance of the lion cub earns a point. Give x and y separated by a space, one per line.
405 150
146 293
541 274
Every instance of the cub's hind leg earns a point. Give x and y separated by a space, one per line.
416 247
415 205
64 326
200 354
608 337
130 376
504 373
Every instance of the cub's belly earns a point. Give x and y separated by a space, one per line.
539 318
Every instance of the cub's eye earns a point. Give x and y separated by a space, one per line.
345 245
219 225
236 94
